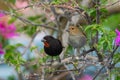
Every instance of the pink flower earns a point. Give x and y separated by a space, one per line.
117 39
7 31
21 3
52 18
1 14
1 50
86 77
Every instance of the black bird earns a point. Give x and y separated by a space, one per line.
52 46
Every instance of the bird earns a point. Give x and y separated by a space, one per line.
52 46
77 38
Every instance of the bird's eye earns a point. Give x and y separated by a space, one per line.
72 28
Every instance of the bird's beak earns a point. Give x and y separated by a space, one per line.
43 40
67 30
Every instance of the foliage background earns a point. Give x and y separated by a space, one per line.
34 19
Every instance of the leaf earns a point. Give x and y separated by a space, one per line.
13 57
92 12
41 50
88 28
117 57
33 18
33 48
19 45
12 1
69 50
12 20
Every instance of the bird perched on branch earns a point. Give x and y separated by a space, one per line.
52 46
77 38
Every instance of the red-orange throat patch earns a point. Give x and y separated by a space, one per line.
46 44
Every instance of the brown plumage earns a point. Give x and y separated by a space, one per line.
77 38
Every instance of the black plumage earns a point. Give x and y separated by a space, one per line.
52 46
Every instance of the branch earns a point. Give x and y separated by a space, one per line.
97 11
113 8
43 74
86 52
26 21
113 64
98 72
71 73
107 63
112 54
30 43
109 5
97 34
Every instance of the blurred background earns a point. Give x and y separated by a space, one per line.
33 19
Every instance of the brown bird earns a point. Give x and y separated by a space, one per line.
52 46
77 38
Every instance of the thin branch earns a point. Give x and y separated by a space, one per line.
107 62
61 6
97 11
111 58
28 6
71 73
30 43
100 57
86 52
43 74
98 72
111 4
27 21
65 70
113 64
67 60
112 54
57 22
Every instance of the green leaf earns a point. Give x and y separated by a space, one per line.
41 50
56 2
19 45
116 57
33 18
69 50
92 12
11 20
13 57
12 77
33 48
12 1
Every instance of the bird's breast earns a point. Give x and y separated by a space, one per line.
77 41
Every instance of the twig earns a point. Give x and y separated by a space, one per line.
75 2
30 5
98 72
97 34
97 11
113 64
112 54
56 21
71 73
111 4
68 60
86 52
65 70
30 43
43 74
111 57
27 21
107 62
